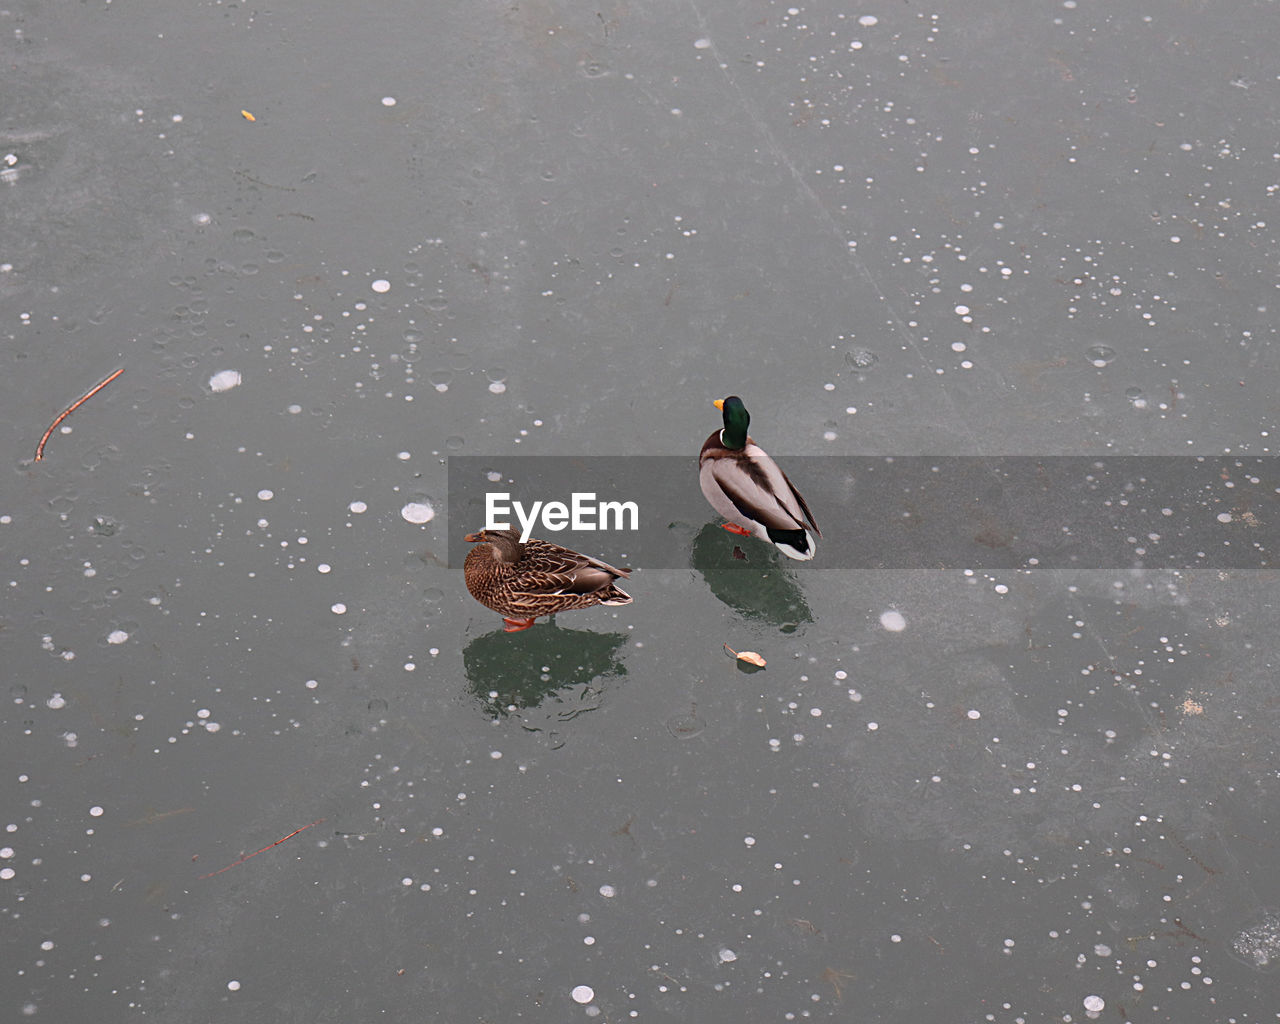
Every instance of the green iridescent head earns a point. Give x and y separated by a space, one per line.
736 421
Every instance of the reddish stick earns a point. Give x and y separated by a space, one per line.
72 408
263 850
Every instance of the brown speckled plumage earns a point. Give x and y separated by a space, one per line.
523 581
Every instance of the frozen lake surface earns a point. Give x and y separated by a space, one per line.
265 758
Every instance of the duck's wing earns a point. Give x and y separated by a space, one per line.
760 491
551 569
804 505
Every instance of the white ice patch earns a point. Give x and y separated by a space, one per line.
1259 944
893 621
224 380
418 512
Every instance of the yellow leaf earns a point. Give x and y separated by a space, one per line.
750 657
247 116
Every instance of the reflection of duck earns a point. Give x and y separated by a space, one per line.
746 487
522 672
522 581
758 589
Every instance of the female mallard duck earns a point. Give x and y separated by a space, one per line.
746 487
522 581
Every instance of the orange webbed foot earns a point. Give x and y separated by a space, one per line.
735 528
515 625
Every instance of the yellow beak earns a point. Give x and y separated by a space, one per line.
719 404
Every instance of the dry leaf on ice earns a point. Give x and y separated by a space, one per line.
750 657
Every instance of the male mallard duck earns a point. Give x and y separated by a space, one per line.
522 581
746 487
